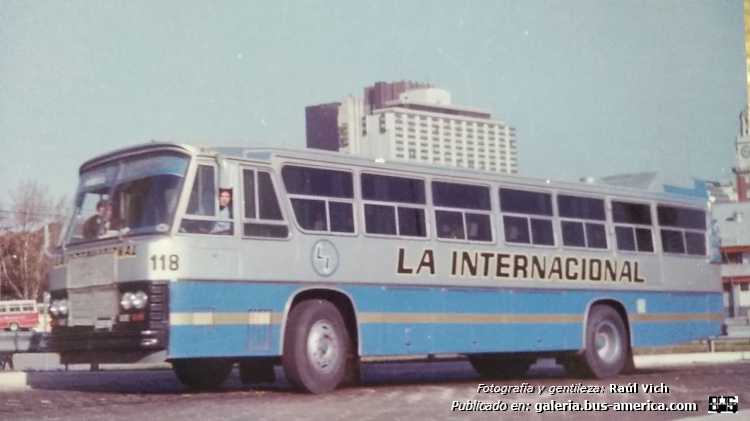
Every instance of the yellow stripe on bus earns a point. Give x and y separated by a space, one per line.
268 318
677 317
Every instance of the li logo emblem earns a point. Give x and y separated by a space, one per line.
325 258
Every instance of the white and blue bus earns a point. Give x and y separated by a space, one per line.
208 257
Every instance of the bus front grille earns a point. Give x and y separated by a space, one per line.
91 271
96 307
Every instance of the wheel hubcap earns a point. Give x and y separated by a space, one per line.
607 342
323 346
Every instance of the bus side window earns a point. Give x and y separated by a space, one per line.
527 216
262 213
683 230
203 196
322 199
394 206
201 209
462 211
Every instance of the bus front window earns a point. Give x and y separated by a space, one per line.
136 196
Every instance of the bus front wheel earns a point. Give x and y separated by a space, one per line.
13 327
202 373
316 347
606 343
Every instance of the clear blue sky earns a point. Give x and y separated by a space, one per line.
592 87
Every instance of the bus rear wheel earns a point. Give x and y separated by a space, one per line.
494 366
607 347
316 347
13 327
202 373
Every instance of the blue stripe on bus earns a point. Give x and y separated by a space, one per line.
396 337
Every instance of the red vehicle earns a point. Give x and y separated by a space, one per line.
18 315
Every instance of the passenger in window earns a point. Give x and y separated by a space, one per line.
97 225
473 230
320 223
455 233
224 223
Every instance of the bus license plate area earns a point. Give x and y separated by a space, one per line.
103 324
93 307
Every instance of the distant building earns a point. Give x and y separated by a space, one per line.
350 117
380 93
412 121
721 192
742 152
732 222
321 124
337 125
733 228
423 126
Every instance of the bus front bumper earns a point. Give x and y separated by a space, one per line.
72 340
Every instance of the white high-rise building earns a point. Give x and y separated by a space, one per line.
423 126
351 112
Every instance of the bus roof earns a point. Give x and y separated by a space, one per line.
663 186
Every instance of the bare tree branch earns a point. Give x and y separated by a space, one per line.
23 266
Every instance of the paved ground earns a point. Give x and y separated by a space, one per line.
399 391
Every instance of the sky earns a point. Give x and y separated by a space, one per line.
592 87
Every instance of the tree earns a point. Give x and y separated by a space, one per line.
24 267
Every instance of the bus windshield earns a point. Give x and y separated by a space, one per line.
131 197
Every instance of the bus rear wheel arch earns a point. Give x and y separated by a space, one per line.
316 346
607 347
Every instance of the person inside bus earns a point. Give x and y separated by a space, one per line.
224 224
96 226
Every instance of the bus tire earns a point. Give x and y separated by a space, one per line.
606 343
316 347
202 373
500 367
13 327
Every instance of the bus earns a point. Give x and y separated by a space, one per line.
208 257
18 315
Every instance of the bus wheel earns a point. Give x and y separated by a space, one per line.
499 367
13 327
316 347
202 373
606 343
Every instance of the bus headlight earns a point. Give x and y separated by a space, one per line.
139 300
54 309
62 306
126 302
